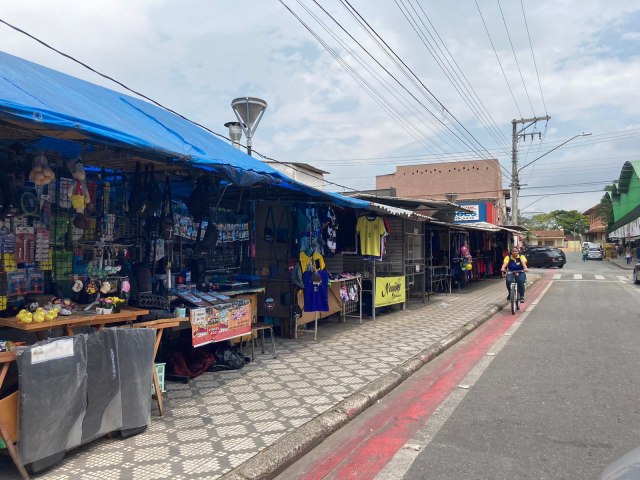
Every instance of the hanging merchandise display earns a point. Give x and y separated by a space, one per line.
316 282
371 230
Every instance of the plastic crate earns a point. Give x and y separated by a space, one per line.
160 367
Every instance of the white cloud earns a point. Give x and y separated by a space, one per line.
197 55
631 36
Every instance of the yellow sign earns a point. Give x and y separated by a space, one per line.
389 291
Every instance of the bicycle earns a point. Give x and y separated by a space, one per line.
514 295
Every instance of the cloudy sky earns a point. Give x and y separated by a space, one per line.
359 87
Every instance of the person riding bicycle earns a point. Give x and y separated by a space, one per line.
516 262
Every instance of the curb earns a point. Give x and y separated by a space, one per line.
621 266
275 458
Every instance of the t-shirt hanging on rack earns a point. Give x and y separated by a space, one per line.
316 282
313 262
330 232
346 236
370 231
316 291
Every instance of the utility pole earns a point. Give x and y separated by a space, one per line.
516 135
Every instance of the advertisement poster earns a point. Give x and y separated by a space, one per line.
389 291
214 324
474 216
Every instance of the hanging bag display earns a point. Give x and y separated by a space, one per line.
137 191
282 232
198 201
269 227
154 192
166 226
144 210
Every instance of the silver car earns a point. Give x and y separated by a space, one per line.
595 253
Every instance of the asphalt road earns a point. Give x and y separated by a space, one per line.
552 392
561 398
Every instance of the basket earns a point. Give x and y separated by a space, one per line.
150 301
160 367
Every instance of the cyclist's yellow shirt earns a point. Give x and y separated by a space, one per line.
514 264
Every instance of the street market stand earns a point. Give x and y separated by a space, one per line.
76 320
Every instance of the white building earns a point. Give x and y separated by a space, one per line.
302 172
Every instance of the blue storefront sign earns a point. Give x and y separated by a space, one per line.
478 213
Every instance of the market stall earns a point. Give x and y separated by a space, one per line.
116 212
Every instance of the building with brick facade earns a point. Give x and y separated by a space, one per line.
476 184
597 232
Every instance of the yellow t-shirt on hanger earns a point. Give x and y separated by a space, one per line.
316 258
370 231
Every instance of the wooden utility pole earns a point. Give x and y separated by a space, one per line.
515 183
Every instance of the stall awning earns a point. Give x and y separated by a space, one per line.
398 212
55 105
415 204
488 227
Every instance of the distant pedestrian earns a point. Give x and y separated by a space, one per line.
627 255
585 253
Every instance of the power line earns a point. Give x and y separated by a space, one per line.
135 92
534 56
378 40
604 183
413 77
463 155
150 99
370 89
515 57
442 60
562 193
498 59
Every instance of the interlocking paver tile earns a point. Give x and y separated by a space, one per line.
221 419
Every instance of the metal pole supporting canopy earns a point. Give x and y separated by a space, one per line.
249 111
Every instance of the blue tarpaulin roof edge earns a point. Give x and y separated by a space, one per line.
47 98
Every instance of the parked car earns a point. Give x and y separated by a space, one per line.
545 258
595 252
636 274
529 251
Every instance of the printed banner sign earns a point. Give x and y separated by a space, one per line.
468 217
222 322
389 291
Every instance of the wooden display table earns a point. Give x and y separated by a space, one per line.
9 415
78 319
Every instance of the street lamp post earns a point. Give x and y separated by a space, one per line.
235 133
249 111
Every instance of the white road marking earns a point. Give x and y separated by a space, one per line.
557 276
599 277
622 278
577 276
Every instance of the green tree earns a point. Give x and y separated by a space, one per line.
571 221
539 221
568 220
604 209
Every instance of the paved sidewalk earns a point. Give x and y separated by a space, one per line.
220 420
622 262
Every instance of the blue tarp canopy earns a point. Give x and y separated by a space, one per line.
49 102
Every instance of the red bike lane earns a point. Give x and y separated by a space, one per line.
376 441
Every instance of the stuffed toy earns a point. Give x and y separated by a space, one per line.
78 192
